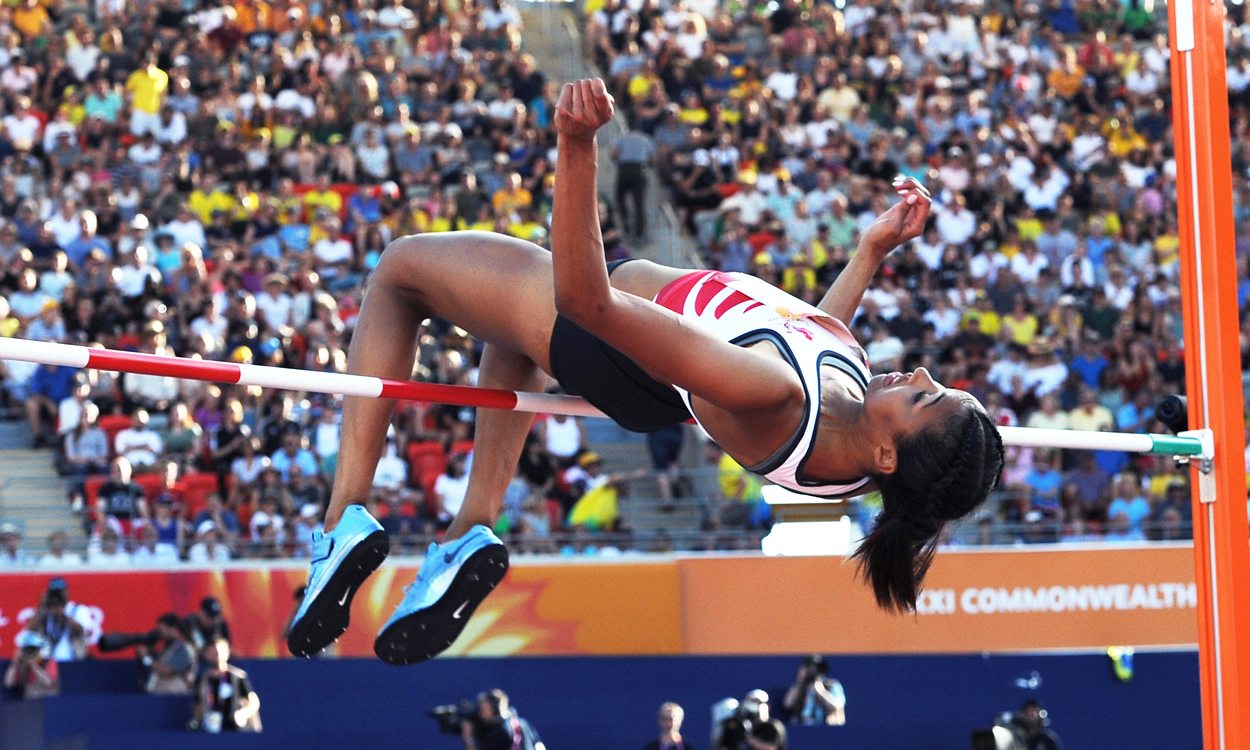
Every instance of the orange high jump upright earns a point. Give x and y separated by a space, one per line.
1204 189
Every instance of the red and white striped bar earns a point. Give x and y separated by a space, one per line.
282 378
49 353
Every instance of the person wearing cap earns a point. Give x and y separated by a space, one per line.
49 325
32 673
11 553
64 623
210 546
208 623
274 304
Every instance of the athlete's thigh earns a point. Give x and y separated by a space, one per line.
496 287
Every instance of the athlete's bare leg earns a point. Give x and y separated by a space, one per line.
497 288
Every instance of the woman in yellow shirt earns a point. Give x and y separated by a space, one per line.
1020 325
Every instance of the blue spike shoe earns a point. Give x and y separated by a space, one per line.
454 579
341 561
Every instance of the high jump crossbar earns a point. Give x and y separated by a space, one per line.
50 353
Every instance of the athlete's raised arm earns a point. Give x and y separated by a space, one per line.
904 221
670 348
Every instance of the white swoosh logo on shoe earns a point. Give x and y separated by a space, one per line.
343 601
456 615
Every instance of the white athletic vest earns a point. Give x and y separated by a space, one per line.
743 310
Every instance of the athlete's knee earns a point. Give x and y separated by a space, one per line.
399 259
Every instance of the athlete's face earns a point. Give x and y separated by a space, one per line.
903 404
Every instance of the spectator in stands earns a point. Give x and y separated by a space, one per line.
210 545
121 502
293 453
11 553
216 512
139 444
392 471
107 550
450 488
151 551
229 439
49 385
564 438
58 554
1091 487
182 438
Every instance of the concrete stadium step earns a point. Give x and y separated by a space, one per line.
32 494
14 434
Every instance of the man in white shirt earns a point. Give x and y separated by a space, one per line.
22 127
139 443
133 277
955 223
333 252
186 228
66 224
749 202
274 304
1045 188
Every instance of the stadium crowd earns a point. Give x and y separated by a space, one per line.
216 179
1047 281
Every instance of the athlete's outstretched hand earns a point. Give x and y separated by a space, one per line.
583 108
904 220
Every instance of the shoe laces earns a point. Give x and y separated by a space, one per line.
320 547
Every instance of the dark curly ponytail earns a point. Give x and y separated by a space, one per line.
941 475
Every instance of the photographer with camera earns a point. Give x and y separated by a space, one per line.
815 698
32 673
61 622
1026 729
748 725
489 723
172 667
225 700
207 624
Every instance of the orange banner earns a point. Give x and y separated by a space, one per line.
1010 600
973 601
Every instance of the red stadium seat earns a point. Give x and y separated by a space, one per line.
197 487
113 424
427 460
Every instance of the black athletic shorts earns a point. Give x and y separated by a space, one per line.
588 367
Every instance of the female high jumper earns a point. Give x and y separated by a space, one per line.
779 384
